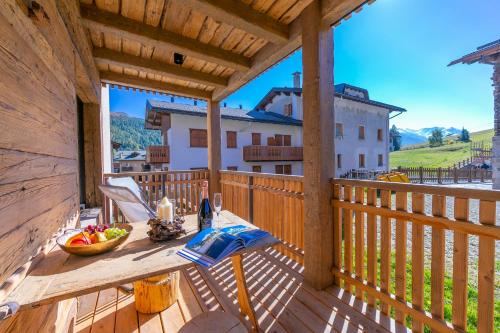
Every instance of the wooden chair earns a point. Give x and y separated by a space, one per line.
214 322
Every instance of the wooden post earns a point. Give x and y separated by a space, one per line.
250 199
455 175
214 148
421 175
319 150
440 175
92 154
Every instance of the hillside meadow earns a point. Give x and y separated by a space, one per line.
444 156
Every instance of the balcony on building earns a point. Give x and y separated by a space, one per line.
272 153
157 154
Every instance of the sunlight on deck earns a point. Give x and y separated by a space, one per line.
281 301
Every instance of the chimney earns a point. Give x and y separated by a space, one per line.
195 102
225 104
296 79
171 99
241 106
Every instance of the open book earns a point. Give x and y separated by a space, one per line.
212 245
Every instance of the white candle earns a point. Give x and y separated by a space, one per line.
165 210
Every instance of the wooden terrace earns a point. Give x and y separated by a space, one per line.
344 245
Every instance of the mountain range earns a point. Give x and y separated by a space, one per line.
415 136
130 133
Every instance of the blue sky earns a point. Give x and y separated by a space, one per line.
399 51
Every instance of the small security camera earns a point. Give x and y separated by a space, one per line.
178 58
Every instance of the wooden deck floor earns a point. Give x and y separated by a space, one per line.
281 301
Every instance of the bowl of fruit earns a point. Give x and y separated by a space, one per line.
94 239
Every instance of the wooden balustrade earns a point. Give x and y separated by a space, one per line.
446 175
272 153
388 210
158 154
182 186
274 203
388 239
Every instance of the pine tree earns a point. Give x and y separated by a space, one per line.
395 137
464 135
436 138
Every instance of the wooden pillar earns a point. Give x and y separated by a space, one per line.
214 145
92 154
319 117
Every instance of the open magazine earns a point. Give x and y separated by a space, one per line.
212 245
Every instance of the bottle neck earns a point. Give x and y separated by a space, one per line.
204 192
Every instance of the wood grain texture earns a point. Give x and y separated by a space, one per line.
38 166
214 146
319 148
460 266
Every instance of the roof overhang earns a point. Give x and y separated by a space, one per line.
224 44
486 54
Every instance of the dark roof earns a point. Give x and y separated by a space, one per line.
226 113
340 92
130 155
482 54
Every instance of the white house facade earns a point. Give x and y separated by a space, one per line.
269 137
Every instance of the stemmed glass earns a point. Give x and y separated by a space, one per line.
217 207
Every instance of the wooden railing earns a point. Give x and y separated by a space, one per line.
423 175
272 153
392 241
272 202
427 230
182 186
158 154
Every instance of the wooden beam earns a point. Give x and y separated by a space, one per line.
214 145
267 57
87 75
148 35
241 16
136 82
92 154
332 11
107 56
319 148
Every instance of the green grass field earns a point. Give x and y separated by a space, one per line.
448 154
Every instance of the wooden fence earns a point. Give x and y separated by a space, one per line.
182 186
371 224
423 175
381 214
272 202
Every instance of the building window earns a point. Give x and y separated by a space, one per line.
361 132
287 140
380 135
339 161
361 161
380 160
278 140
231 139
339 130
256 139
287 169
283 169
232 168
256 168
270 141
287 110
198 138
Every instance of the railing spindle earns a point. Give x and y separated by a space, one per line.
385 248
486 270
437 261
401 234
371 200
347 235
337 233
417 259
460 266
360 238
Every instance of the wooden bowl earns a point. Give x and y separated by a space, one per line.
92 249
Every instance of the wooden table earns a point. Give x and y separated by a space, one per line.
61 276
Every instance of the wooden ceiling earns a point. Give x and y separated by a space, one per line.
225 43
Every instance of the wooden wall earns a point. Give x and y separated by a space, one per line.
38 133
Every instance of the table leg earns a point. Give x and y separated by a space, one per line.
243 296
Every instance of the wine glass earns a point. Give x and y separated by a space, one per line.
217 207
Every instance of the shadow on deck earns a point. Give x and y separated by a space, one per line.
282 302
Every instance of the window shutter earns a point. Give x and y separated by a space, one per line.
256 139
198 138
231 139
287 140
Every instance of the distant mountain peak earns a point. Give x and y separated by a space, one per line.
415 136
119 114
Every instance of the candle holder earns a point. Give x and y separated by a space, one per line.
163 230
